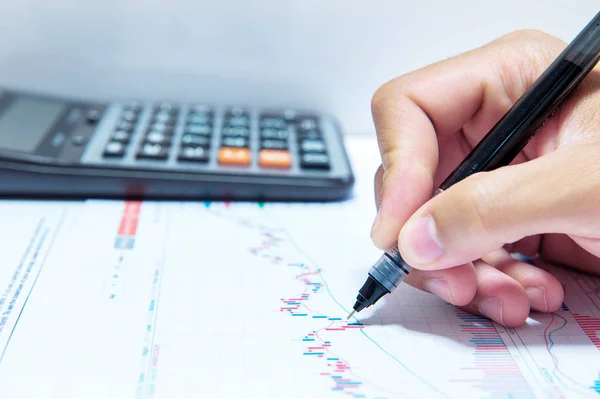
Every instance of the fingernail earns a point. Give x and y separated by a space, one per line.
439 287
537 298
492 308
419 241
376 222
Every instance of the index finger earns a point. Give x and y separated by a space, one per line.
421 118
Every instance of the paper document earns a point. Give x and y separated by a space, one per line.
110 299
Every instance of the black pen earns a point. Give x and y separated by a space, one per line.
502 144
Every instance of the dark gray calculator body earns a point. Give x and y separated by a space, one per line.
57 147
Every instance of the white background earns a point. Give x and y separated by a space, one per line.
325 54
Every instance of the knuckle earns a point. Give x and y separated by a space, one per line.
379 99
519 58
388 95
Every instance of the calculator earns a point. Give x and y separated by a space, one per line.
57 147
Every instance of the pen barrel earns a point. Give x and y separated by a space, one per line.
585 48
518 126
390 270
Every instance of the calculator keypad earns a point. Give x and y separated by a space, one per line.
195 142
312 147
120 138
274 138
279 140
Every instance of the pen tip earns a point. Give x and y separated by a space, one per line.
350 315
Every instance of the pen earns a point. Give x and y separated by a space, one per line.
502 143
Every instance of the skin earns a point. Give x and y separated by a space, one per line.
546 203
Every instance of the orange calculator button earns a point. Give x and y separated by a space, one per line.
275 159
234 156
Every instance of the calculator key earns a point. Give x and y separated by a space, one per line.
236 131
314 161
157 137
195 139
164 117
194 154
274 144
153 151
307 124
312 146
205 130
161 127
234 156
121 136
93 116
273 123
129 116
78 140
238 121
275 159
114 149
274 134
124 125
238 142
197 117
309 134
200 119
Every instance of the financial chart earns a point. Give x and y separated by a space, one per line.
193 300
111 299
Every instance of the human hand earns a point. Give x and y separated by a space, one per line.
547 202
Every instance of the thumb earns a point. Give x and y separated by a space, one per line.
556 193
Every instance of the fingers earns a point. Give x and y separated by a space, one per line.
544 291
499 287
457 285
411 112
499 297
557 192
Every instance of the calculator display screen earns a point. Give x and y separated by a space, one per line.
25 121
